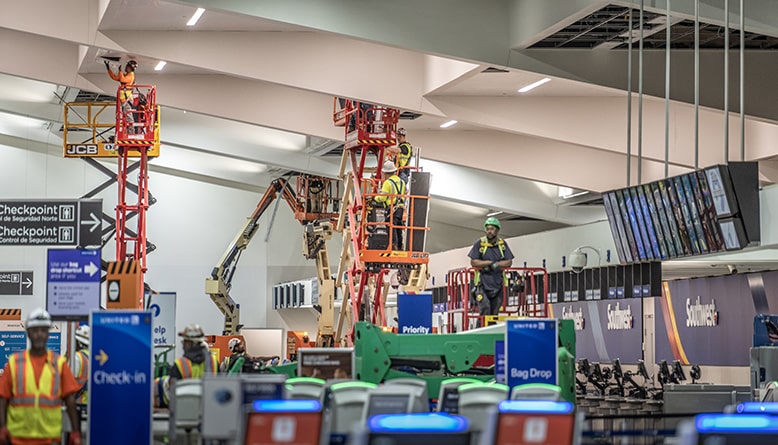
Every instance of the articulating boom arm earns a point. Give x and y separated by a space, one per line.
219 283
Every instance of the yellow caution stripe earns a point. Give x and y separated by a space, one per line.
376 141
133 142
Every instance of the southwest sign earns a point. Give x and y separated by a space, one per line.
57 222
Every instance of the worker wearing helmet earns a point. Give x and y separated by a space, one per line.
127 81
32 387
237 350
197 360
402 154
81 362
490 254
392 197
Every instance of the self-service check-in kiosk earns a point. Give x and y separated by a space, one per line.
533 422
414 429
284 421
730 429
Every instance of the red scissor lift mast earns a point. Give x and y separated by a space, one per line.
369 130
137 130
527 300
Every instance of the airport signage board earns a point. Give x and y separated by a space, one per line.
16 282
57 222
121 369
73 283
531 351
13 338
163 306
414 313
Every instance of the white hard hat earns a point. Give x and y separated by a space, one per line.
233 343
193 332
389 167
401 132
38 318
82 334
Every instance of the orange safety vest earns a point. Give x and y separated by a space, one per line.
35 408
189 370
82 376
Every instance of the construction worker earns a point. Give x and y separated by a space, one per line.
237 350
491 255
402 154
81 362
127 81
197 359
33 385
393 185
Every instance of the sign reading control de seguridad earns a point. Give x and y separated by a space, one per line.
57 222
531 351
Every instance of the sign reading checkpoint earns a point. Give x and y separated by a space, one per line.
531 351
120 377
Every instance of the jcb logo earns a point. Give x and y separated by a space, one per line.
81 149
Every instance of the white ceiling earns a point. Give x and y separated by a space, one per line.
247 93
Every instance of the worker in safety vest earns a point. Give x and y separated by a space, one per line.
81 363
127 81
238 350
491 255
392 196
402 154
197 359
33 385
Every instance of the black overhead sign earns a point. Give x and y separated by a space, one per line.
57 222
15 282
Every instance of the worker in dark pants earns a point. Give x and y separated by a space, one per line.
393 197
491 255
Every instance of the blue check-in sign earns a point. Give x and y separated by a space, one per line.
531 351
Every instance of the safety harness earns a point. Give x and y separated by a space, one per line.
485 245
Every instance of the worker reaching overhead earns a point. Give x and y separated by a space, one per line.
81 362
491 255
402 154
32 387
127 81
392 197
197 360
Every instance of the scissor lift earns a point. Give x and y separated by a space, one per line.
369 130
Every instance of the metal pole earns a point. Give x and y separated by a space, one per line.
742 83
696 84
629 99
726 81
640 98
668 39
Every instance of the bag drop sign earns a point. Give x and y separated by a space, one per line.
531 351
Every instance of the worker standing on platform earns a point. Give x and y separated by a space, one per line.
197 360
491 254
393 185
237 350
81 362
127 81
402 154
33 385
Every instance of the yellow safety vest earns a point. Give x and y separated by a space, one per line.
82 376
35 409
404 159
189 370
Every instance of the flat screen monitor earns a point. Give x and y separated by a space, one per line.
633 222
671 239
615 232
705 202
284 421
611 197
733 233
694 214
387 404
721 191
659 231
640 222
326 363
73 284
525 422
680 221
674 218
648 223
622 206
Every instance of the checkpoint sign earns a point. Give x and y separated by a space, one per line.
73 287
531 351
57 222
120 377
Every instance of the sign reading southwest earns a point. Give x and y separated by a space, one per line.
120 370
531 351
414 313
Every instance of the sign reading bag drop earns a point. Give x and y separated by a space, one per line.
531 351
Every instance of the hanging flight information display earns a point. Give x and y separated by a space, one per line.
706 211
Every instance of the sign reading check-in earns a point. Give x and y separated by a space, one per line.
57 222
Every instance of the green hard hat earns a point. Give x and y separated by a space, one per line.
492 221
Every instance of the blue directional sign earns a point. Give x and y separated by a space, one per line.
73 283
414 313
13 338
531 351
120 377
499 362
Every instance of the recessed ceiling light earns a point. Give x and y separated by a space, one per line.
195 17
535 84
450 123
160 65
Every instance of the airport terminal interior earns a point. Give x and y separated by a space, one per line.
405 222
